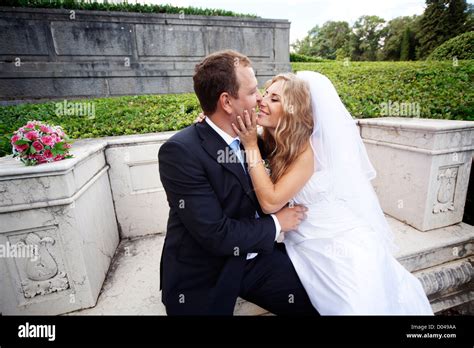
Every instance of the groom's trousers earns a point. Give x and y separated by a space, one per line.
270 281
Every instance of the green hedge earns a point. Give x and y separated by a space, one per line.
461 47
441 89
124 7
112 116
295 57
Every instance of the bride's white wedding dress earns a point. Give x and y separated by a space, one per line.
342 250
344 265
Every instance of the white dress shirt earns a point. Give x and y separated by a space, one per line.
228 140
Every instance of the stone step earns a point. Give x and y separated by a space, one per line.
132 283
422 250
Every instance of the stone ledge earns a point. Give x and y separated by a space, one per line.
138 17
13 169
422 250
409 123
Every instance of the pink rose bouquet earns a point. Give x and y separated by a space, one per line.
37 143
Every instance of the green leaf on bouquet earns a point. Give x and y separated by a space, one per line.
32 150
30 162
59 148
22 142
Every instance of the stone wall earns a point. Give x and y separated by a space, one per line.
58 53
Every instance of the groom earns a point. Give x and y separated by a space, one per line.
219 244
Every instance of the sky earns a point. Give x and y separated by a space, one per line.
305 14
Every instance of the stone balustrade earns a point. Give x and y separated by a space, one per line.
75 211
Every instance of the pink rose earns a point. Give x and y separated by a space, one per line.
38 146
30 125
47 140
32 135
48 154
40 159
15 138
21 148
45 129
60 132
55 137
58 157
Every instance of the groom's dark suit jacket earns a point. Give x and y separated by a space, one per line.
211 225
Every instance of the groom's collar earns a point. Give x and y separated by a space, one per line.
227 138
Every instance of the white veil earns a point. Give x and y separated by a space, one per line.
339 151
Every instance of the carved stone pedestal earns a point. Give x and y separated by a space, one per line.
58 233
423 168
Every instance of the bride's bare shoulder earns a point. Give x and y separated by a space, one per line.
305 160
307 155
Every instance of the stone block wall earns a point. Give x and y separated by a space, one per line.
56 53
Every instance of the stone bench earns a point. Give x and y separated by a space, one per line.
440 260
77 211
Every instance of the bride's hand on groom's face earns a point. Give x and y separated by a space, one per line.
247 128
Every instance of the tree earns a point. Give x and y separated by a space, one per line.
332 37
396 30
325 41
407 46
470 18
442 20
306 46
456 18
366 38
432 27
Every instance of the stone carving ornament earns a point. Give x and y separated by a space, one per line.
42 271
446 189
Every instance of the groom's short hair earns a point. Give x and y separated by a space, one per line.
216 75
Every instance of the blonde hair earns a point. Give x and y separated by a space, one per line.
294 128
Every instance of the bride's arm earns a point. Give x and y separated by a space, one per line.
273 196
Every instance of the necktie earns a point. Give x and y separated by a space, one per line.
235 146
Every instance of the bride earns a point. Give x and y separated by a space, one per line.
342 251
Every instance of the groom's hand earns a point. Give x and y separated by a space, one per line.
291 217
